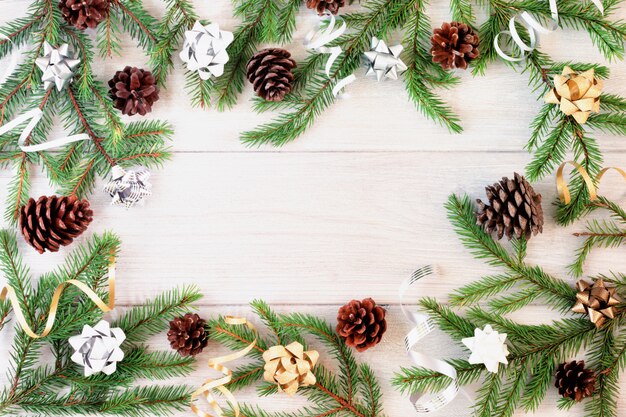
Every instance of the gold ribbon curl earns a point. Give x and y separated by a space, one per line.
9 292
220 384
563 190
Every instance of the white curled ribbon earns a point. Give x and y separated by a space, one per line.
426 402
33 117
12 61
534 29
317 41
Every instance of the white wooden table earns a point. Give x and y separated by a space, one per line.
346 211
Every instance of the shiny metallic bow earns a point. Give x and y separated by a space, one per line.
97 348
488 347
204 49
57 65
597 300
128 188
576 94
383 60
290 367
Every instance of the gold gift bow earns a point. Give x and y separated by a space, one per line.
9 292
289 376
220 384
561 186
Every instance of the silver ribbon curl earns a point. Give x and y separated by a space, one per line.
534 29
128 188
57 65
425 403
384 61
204 49
317 41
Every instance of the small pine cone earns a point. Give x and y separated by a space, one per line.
188 334
514 209
52 222
322 6
133 91
574 381
269 71
84 14
361 324
454 45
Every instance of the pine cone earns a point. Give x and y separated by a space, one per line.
52 222
133 91
269 71
188 335
454 45
574 381
515 209
84 14
361 324
322 6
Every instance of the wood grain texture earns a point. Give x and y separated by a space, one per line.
346 211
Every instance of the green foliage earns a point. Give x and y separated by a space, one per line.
354 392
60 388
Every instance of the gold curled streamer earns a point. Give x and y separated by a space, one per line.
563 190
9 292
219 384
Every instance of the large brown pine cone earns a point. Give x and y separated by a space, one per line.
52 222
133 91
84 14
188 334
574 381
269 71
322 6
361 324
514 209
454 45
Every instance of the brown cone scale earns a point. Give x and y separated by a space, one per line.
513 209
84 14
361 324
454 45
574 381
323 6
52 222
269 71
133 91
188 335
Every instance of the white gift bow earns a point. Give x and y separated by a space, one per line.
426 402
34 116
317 41
534 29
12 63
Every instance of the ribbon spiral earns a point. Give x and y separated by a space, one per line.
220 384
9 292
563 190
426 402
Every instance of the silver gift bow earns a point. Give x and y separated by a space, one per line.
383 60
128 188
204 49
97 348
426 402
57 65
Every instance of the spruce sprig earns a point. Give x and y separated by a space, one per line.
60 388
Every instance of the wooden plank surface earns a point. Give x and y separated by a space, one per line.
346 211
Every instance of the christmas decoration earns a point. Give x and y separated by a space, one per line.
84 14
323 6
454 45
324 395
204 49
574 381
133 91
597 300
188 335
269 71
514 209
576 94
361 324
57 66
289 367
97 348
129 391
384 61
488 347
128 188
52 222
